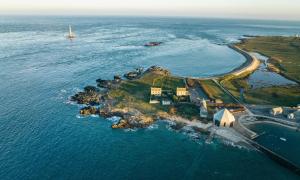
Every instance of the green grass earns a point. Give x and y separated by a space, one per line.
168 83
285 56
214 91
136 94
189 111
284 53
281 96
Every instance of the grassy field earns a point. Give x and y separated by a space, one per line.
284 53
136 94
276 95
285 56
168 83
214 91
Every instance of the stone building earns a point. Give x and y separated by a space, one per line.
156 91
181 92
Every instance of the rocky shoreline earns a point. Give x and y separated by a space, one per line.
98 101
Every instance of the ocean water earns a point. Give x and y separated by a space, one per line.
280 139
42 136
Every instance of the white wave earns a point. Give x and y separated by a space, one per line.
153 126
127 47
63 91
94 115
130 130
114 119
68 101
80 116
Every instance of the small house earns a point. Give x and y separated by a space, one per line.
166 102
154 101
181 92
224 118
276 111
156 91
218 101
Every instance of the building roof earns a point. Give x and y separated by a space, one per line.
224 114
277 108
181 89
154 89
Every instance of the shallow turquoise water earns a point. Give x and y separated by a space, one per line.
43 138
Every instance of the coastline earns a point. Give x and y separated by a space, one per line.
250 65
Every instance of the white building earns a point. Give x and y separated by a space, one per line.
166 102
156 91
276 111
224 118
154 101
203 109
182 92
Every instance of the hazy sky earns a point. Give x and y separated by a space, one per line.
263 9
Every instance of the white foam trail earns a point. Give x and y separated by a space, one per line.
152 127
114 119
80 116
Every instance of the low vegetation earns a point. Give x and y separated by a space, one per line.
214 91
136 94
284 53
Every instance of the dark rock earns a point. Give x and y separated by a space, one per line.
90 95
90 89
150 44
89 110
134 74
158 70
177 126
104 83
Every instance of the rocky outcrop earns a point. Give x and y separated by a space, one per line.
130 118
89 110
104 83
90 96
158 70
131 121
134 74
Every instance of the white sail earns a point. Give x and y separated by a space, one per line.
71 34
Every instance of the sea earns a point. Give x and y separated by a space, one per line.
42 136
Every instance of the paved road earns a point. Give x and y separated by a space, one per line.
233 97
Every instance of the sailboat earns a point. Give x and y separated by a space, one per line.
71 35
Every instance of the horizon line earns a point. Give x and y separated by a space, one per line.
150 16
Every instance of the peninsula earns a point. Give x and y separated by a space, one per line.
144 97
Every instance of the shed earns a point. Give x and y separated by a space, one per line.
276 111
